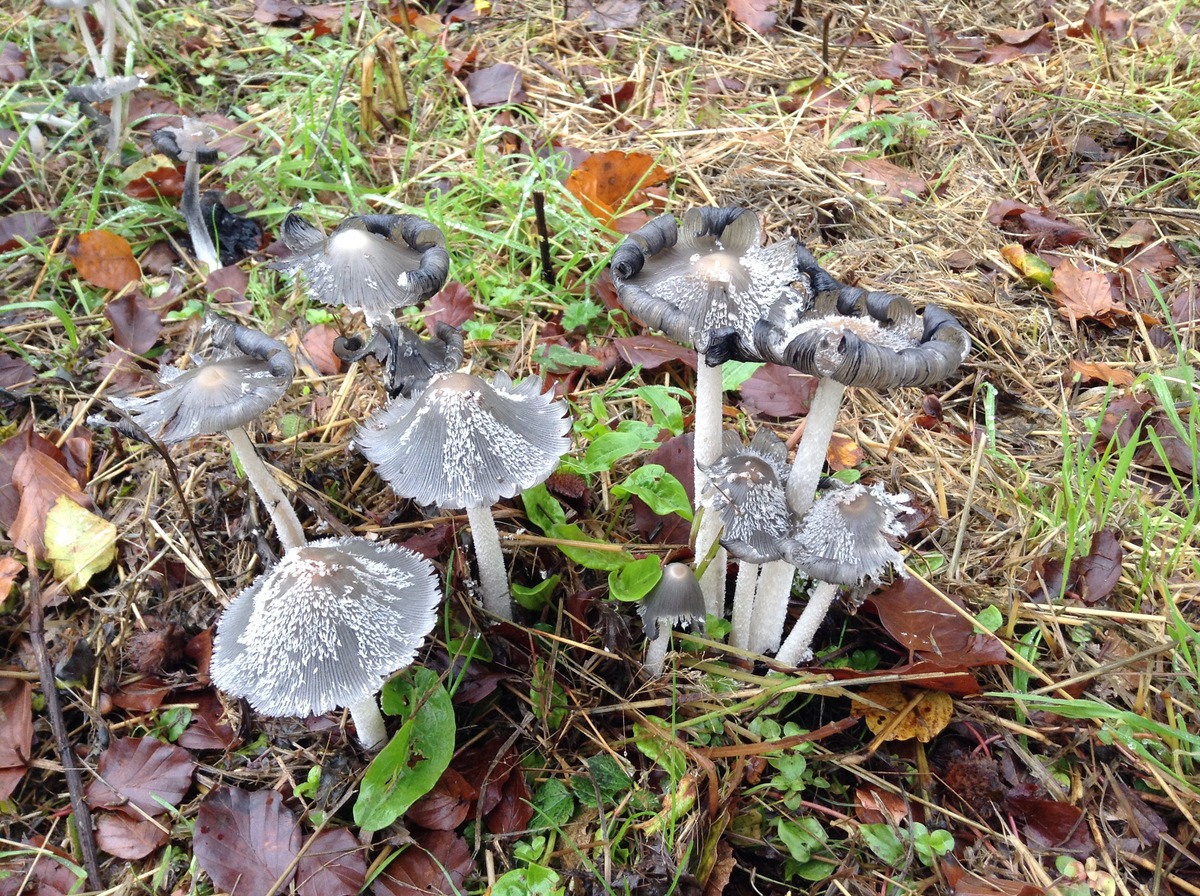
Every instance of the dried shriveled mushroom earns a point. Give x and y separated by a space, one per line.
844 540
675 601
746 490
369 263
708 274
324 628
249 372
190 144
467 443
412 361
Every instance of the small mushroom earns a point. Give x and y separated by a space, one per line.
111 89
843 540
249 373
746 489
324 629
369 263
466 443
675 601
710 274
190 144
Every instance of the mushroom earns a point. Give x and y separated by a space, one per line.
843 540
711 274
249 373
746 489
103 90
369 263
190 144
324 628
411 360
676 600
466 443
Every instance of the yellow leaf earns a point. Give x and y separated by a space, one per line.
904 713
79 543
1029 265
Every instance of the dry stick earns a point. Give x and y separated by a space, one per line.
83 818
539 212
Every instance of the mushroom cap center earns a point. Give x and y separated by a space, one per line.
354 241
212 377
752 470
717 267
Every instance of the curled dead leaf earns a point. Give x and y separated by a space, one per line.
904 714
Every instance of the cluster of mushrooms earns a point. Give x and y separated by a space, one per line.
708 281
333 618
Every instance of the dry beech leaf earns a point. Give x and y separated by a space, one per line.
245 840
16 732
1086 295
453 305
104 259
609 182
1040 228
135 324
23 227
129 838
926 718
497 85
41 482
334 864
756 14
1096 372
843 453
141 775
889 180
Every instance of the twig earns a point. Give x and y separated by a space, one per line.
539 211
83 818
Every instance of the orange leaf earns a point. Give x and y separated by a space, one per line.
104 259
1095 372
609 182
843 453
902 713
1084 295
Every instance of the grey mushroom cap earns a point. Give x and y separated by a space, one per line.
187 143
707 274
676 600
746 486
249 373
411 361
101 90
369 263
861 338
844 537
464 442
325 627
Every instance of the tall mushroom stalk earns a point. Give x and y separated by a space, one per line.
467 443
324 628
190 144
249 373
708 274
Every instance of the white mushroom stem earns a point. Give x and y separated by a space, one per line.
814 445
656 650
287 524
493 575
99 65
798 646
368 722
202 242
743 604
770 606
706 449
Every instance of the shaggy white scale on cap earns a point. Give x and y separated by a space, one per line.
746 489
844 537
325 627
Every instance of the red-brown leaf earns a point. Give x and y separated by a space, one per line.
497 85
447 805
675 456
1100 570
135 324
318 345
921 621
452 305
889 180
23 227
756 14
12 63
227 286
14 371
436 863
16 731
10 570
1039 229
104 259
607 183
1086 295
512 814
652 351
777 391
129 838
334 864
40 482
10 452
140 774
245 840
143 695
209 730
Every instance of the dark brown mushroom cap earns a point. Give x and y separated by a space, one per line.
709 273
325 626
369 263
187 143
250 371
677 599
746 486
464 442
844 537
861 338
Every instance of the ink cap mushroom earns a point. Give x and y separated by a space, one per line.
464 442
190 143
324 628
676 600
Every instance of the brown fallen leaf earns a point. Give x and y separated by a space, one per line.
497 85
605 15
843 453
1084 294
141 775
136 326
40 481
447 805
1096 372
23 227
921 621
1037 228
104 259
452 305
129 838
756 14
777 391
246 840
437 862
318 345
16 732
904 713
889 180
607 183
10 569
333 864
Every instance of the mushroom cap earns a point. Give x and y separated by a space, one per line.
861 338
746 486
464 442
843 538
677 599
101 90
412 361
710 273
250 372
325 626
369 263
187 143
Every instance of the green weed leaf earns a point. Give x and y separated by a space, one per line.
634 580
661 491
